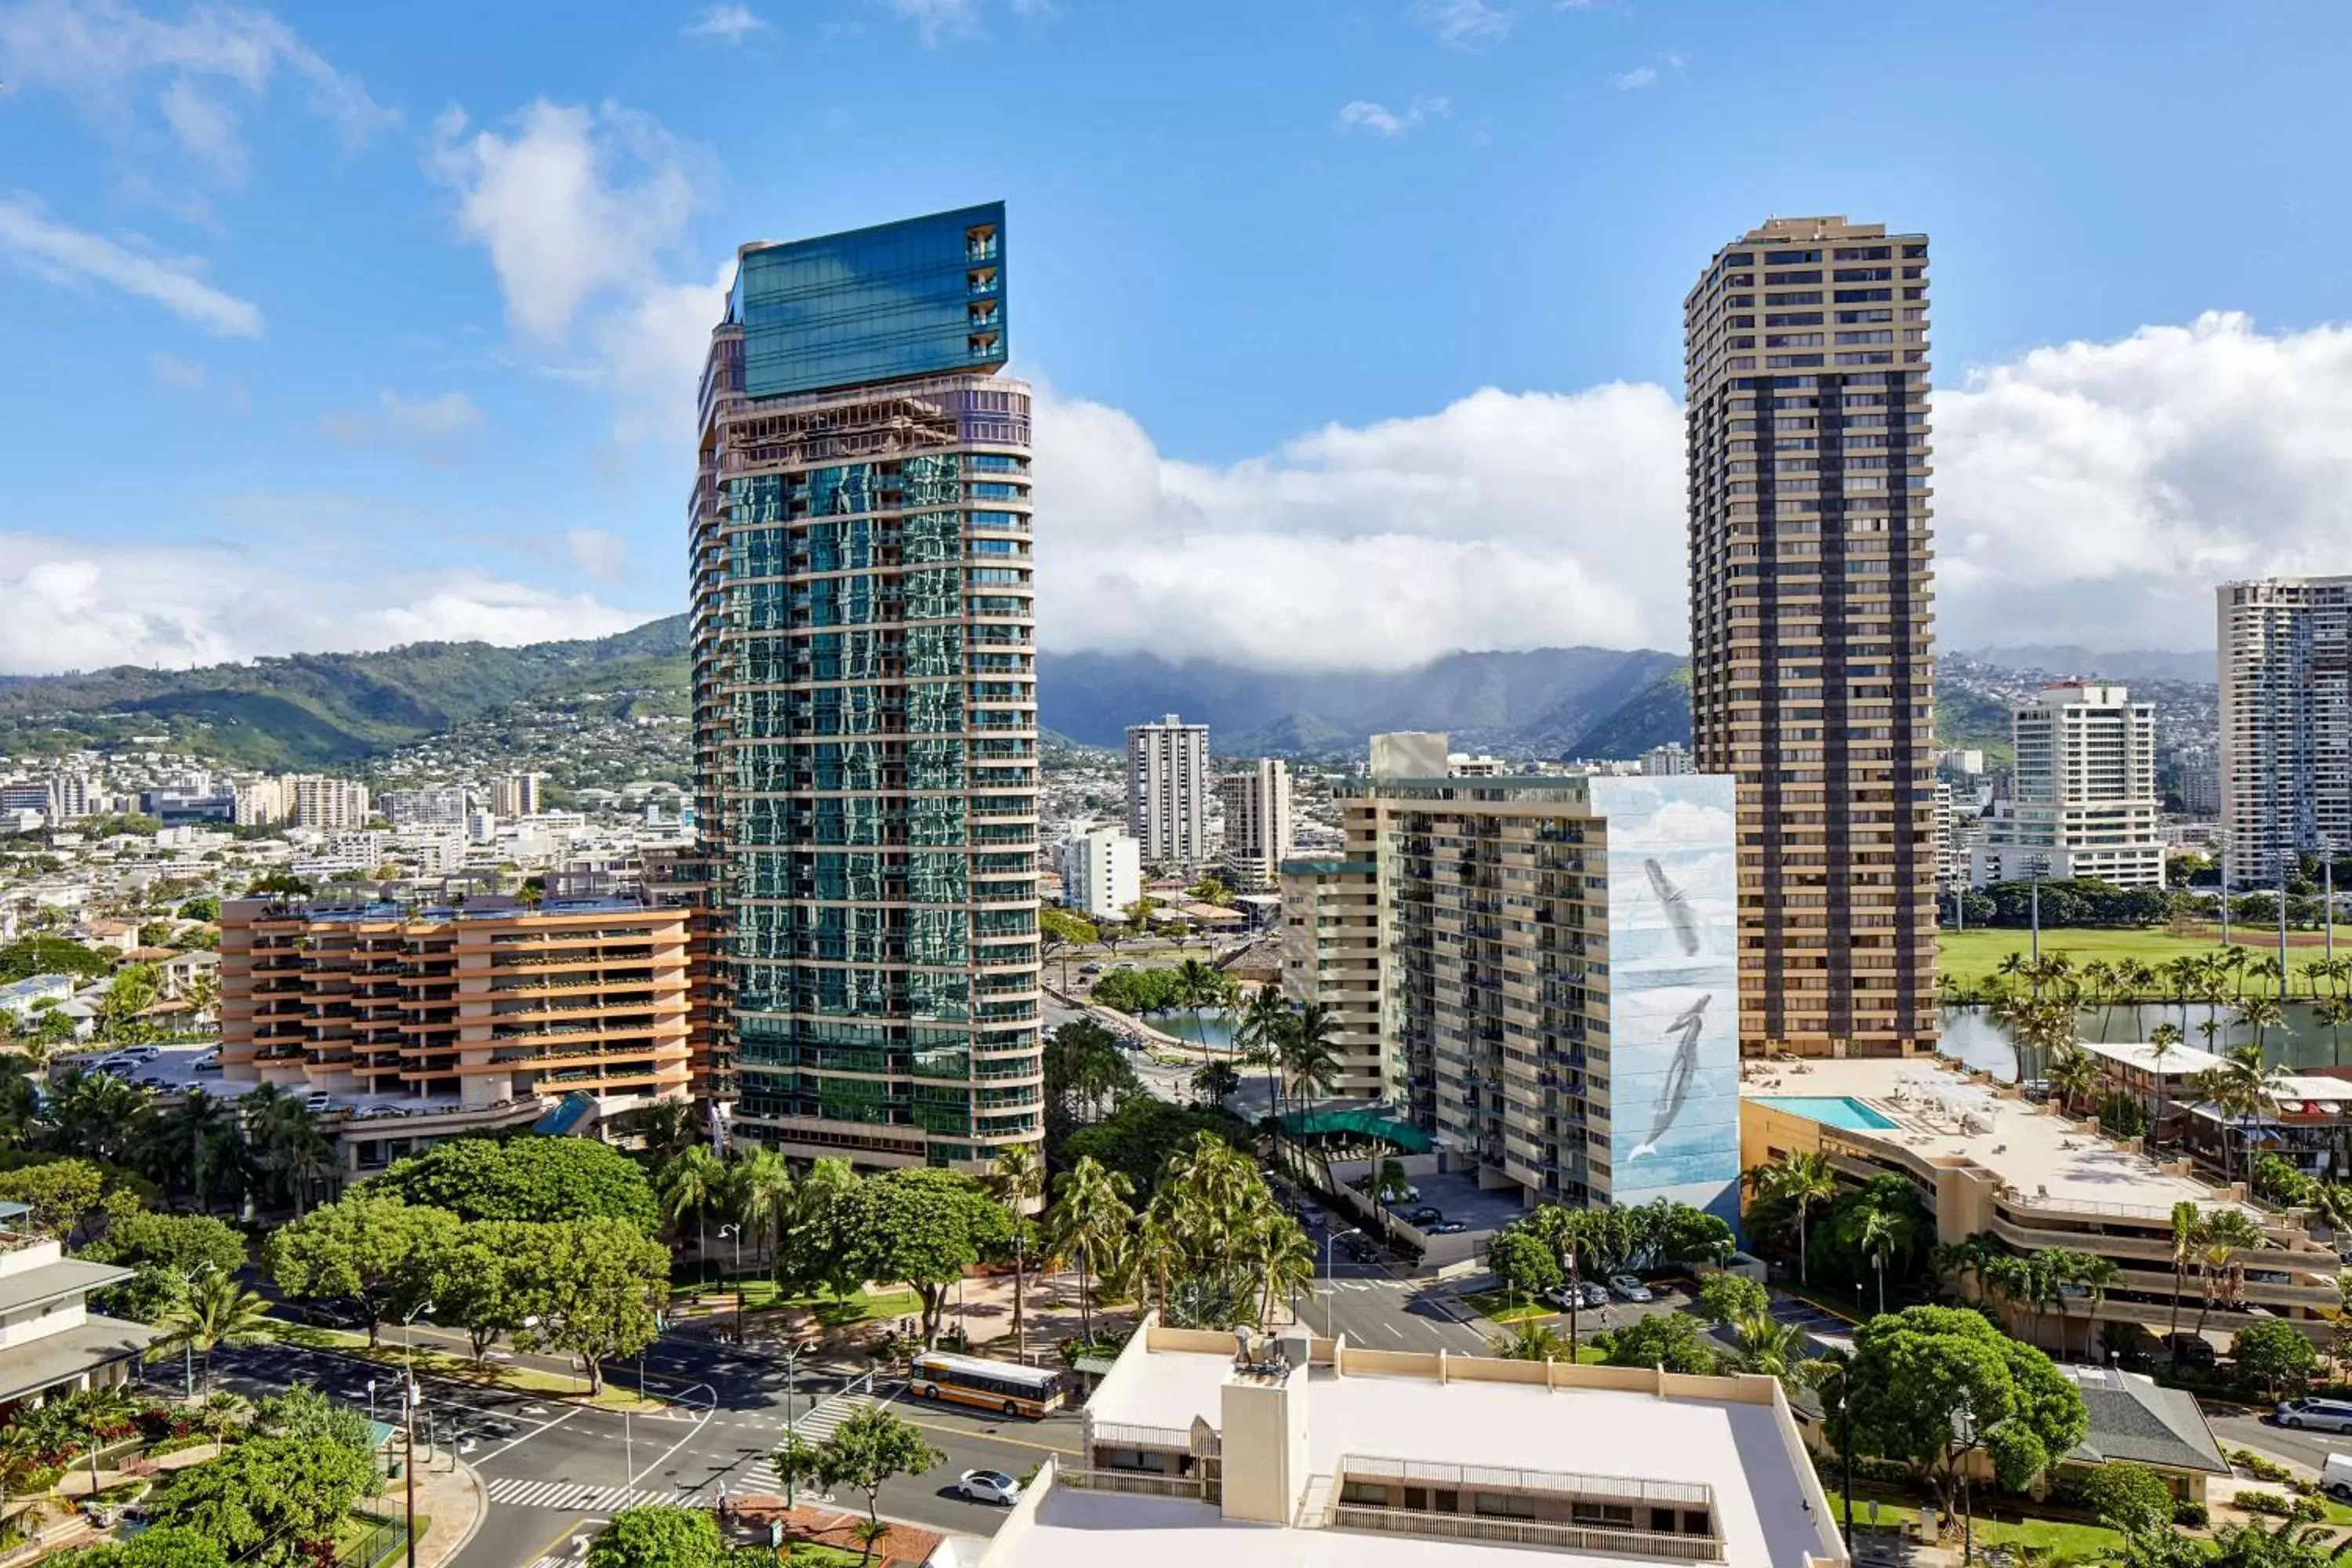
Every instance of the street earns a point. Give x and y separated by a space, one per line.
2253 1429
555 1471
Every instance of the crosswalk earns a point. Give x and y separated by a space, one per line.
826 1418
524 1491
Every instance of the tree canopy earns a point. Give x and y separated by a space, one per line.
1136 1139
657 1537
922 1227
526 1179
1670 1339
368 1247
268 1501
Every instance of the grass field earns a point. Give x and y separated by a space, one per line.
833 1312
1968 957
2050 1536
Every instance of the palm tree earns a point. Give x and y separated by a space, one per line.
1309 1066
2260 1013
2098 1276
1197 984
695 1182
1279 1255
1532 1339
2188 1235
764 1193
216 1310
2331 1203
2224 1234
667 1129
2242 1087
1803 1180
2333 1013
1088 1223
1018 1175
1769 1346
2162 1041
1878 1233
2073 1075
1255 1038
2099 991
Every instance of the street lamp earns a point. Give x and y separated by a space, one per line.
736 1232
1964 1430
1844 1370
792 1429
410 1397
2037 867
1330 1284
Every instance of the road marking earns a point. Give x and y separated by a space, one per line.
1391 1328
535 1431
984 1436
708 1413
523 1491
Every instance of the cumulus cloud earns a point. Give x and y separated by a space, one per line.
81 604
1378 120
1468 25
1505 521
728 25
69 255
103 53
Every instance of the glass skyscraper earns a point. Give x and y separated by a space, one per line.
864 696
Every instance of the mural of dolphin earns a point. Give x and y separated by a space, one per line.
1678 908
1676 1091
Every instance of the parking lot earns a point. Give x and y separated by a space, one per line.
172 1071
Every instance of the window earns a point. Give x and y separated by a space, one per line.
1811 298
1865 253
1914 252
1790 257
1799 318
1772 278
1503 1505
1864 274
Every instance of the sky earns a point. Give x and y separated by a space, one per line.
1355 324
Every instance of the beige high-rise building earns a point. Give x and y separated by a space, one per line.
1168 790
314 800
2084 801
1258 836
1805 345
517 795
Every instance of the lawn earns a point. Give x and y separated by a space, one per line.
2051 1537
1971 956
1502 1307
834 1311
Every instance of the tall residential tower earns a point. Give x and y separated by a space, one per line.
2084 801
1805 354
2286 723
865 700
1168 790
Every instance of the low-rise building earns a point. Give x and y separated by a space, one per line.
51 1343
1201 1446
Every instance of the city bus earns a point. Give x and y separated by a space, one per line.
1002 1386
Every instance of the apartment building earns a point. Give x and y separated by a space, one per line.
1542 971
1806 364
440 807
1985 1161
1168 791
1250 1451
1669 761
863 676
51 1343
261 802
1258 831
1102 873
515 795
2083 800
474 1006
313 800
2286 723
687 880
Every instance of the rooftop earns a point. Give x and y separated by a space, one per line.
2133 1418
1940 1114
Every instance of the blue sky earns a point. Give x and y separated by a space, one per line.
335 325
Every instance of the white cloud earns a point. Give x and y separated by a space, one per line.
932 17
1635 80
430 428
1465 23
80 604
1378 120
598 551
68 256
170 369
99 52
574 205
730 24
1505 521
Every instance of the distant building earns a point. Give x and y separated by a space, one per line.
2083 799
1477 765
262 803
1102 873
518 795
316 801
1168 790
22 997
180 807
2286 723
1668 761
1258 825
26 795
2194 774
443 807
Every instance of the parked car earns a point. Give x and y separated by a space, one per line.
1625 1288
208 1062
120 1062
1089 969
318 1101
1447 1226
2335 1476
990 1486
1594 1296
2321 1414
154 1080
141 1053
1424 1216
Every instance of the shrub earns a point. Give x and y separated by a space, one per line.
2131 1498
2191 1515
2306 1510
2263 1502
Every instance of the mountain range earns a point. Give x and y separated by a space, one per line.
340 710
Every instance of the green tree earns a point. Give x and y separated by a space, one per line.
367 1248
1804 1181
1660 1339
1138 1139
1727 1298
657 1537
1088 1223
1523 1262
692 1184
301 1413
270 1501
169 1546
167 1250
869 1449
922 1228
1912 1369
203 907
2275 1354
1018 1179
596 1286
60 1193
528 1179
1767 1347
2129 1498
1532 1339
483 1280
215 1309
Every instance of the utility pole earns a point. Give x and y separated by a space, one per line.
2281 914
408 1401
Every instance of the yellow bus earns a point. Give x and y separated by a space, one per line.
1001 1385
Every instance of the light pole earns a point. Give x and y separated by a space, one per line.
1330 1284
1964 1429
792 1429
407 1355
371 1400
409 1399
1845 1444
2036 867
736 1232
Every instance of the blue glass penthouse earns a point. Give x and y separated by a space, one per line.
923 296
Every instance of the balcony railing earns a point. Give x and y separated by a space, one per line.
1528 1532
1140 1483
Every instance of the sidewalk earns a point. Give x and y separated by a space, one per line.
452 1498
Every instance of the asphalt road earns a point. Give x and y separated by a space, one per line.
556 1471
2261 1433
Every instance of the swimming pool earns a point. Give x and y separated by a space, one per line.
1831 1110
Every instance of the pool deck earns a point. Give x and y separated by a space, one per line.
2031 1148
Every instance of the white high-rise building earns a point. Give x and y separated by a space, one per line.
440 807
1258 836
2286 723
2084 801
1102 873
1168 790
1669 761
317 800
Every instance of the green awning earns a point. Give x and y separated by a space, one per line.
1412 1140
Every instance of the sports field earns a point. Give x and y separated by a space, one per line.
1969 956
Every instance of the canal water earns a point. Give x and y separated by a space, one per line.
1973 1038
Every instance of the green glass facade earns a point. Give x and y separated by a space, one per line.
867 728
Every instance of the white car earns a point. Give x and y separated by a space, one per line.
318 1101
990 1486
208 1062
1625 1288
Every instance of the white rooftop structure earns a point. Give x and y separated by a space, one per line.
1317 1451
2179 1062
